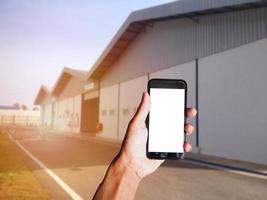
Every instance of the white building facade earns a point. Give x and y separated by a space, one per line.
218 46
220 53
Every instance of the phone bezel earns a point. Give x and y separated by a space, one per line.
165 83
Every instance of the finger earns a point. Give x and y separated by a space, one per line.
187 147
188 128
143 109
191 112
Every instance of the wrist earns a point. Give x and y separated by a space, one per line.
122 168
120 182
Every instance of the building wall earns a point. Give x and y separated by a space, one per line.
232 110
77 100
130 97
47 121
108 111
65 114
68 106
46 114
232 103
173 42
68 114
231 50
187 72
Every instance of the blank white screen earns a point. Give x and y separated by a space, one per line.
166 120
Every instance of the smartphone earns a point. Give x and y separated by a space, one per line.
166 119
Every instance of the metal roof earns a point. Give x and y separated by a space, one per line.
138 20
65 77
43 91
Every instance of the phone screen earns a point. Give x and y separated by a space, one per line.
166 120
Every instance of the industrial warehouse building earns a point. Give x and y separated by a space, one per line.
72 104
43 98
218 46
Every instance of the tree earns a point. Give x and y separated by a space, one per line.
16 105
24 107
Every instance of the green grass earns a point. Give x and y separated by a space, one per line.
16 180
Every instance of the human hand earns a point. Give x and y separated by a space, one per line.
133 151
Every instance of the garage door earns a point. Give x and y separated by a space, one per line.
108 107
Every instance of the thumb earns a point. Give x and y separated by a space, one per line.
142 111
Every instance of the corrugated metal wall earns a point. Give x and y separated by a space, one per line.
173 42
186 6
221 32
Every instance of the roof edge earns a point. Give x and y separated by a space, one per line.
44 88
80 74
165 11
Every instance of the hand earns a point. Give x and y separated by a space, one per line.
133 151
131 164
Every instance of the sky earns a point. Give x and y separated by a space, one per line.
40 37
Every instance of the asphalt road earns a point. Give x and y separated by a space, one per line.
81 163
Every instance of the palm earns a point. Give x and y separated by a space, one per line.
135 148
134 143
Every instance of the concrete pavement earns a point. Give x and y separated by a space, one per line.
81 163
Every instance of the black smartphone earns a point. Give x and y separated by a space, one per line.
166 119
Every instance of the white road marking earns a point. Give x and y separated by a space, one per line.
58 180
226 169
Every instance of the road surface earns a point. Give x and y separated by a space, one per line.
81 163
